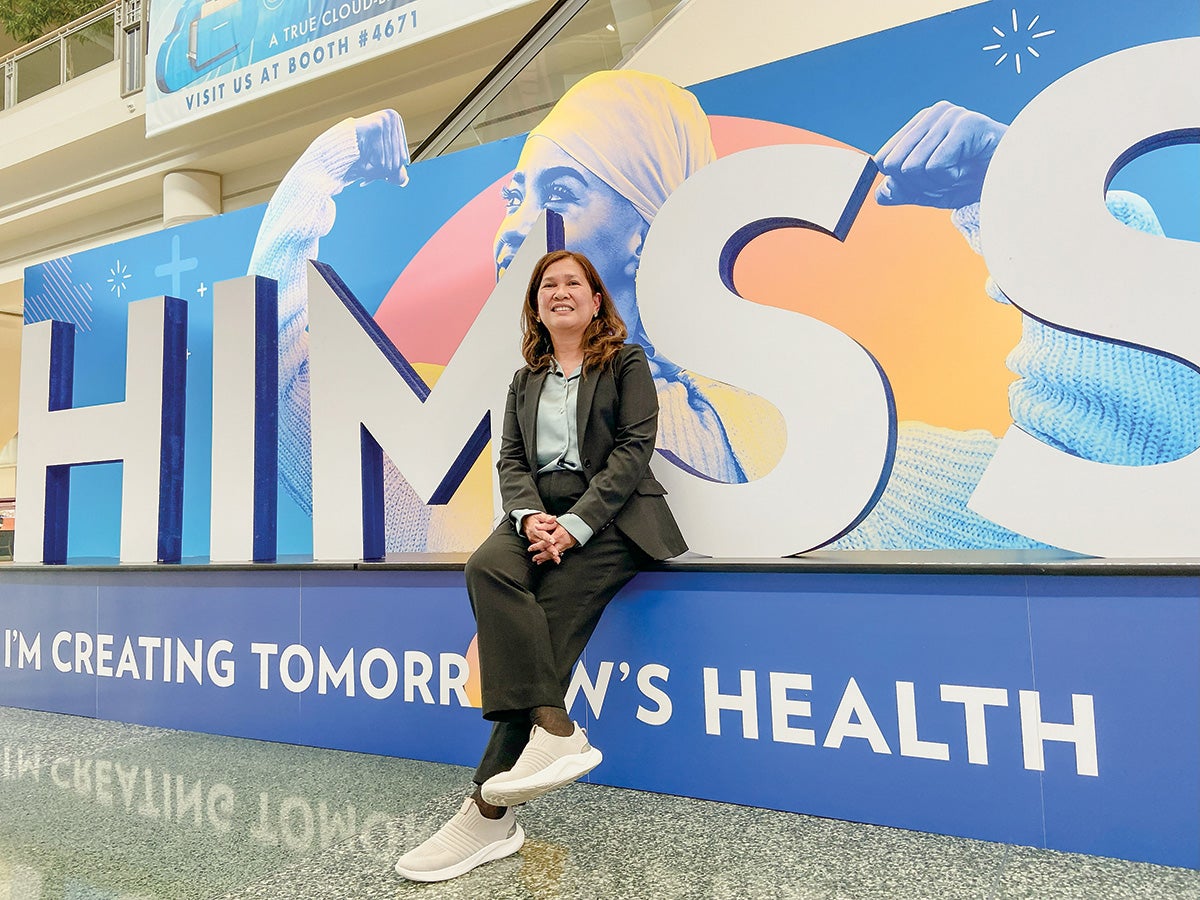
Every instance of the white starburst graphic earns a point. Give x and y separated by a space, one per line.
1017 41
120 274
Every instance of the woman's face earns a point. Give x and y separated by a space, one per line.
598 222
566 302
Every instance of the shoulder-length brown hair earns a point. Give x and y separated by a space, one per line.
601 340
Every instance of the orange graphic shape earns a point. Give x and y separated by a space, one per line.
904 284
474 691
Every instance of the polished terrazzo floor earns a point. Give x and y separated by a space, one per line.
92 810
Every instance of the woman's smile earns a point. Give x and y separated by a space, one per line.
566 302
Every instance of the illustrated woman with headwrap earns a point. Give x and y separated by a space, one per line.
606 158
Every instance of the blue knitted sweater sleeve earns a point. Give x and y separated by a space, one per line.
300 213
1092 398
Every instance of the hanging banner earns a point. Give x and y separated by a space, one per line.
214 55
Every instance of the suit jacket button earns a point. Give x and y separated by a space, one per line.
587 463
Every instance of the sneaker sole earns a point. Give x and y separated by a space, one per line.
490 853
559 773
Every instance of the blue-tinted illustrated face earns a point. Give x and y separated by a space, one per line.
598 222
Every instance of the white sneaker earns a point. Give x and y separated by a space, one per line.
468 840
547 762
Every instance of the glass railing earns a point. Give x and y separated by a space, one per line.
79 47
598 35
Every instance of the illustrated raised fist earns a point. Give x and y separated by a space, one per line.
939 158
382 149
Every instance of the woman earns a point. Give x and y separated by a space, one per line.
579 431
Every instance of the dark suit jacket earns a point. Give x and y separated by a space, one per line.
617 426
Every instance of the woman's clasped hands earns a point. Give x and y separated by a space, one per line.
547 539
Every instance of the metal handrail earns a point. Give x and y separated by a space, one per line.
528 48
62 31
498 79
9 61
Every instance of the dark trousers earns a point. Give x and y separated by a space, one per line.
534 620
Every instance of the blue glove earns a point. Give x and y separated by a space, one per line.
939 158
382 149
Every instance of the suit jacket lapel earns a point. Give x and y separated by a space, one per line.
529 410
583 408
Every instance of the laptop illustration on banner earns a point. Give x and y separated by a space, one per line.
205 36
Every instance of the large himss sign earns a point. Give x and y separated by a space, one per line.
210 55
930 288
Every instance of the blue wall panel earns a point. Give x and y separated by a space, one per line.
241 608
931 674
40 607
875 629
417 613
1134 644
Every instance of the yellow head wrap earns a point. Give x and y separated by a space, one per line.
640 134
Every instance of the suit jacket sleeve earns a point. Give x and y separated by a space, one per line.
635 428
518 490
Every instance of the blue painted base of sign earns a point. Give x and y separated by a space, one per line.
1052 711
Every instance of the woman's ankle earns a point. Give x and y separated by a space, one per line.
486 809
553 719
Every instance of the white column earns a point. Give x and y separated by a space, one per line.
189 195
